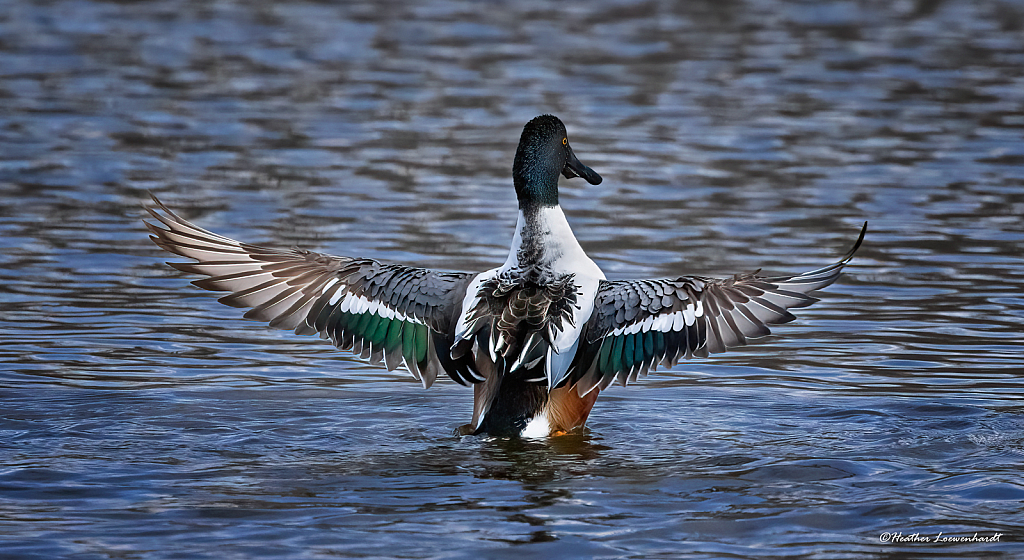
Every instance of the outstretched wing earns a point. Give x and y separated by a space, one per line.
398 314
640 324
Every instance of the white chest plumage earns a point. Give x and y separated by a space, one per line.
560 252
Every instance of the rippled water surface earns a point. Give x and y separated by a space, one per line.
141 419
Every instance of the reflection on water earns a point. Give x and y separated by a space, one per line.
142 419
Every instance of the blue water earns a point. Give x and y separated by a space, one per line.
139 418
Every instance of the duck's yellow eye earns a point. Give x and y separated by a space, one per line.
565 141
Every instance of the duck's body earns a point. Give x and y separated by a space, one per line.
538 337
524 319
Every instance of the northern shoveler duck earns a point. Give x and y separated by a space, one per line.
537 337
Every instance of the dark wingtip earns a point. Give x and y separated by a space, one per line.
155 201
860 239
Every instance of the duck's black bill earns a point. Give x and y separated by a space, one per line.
574 168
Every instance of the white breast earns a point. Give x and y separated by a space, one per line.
562 253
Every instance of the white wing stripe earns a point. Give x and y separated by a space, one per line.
337 295
328 285
665 322
678 321
357 305
346 304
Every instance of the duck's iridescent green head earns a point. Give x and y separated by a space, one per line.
543 153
